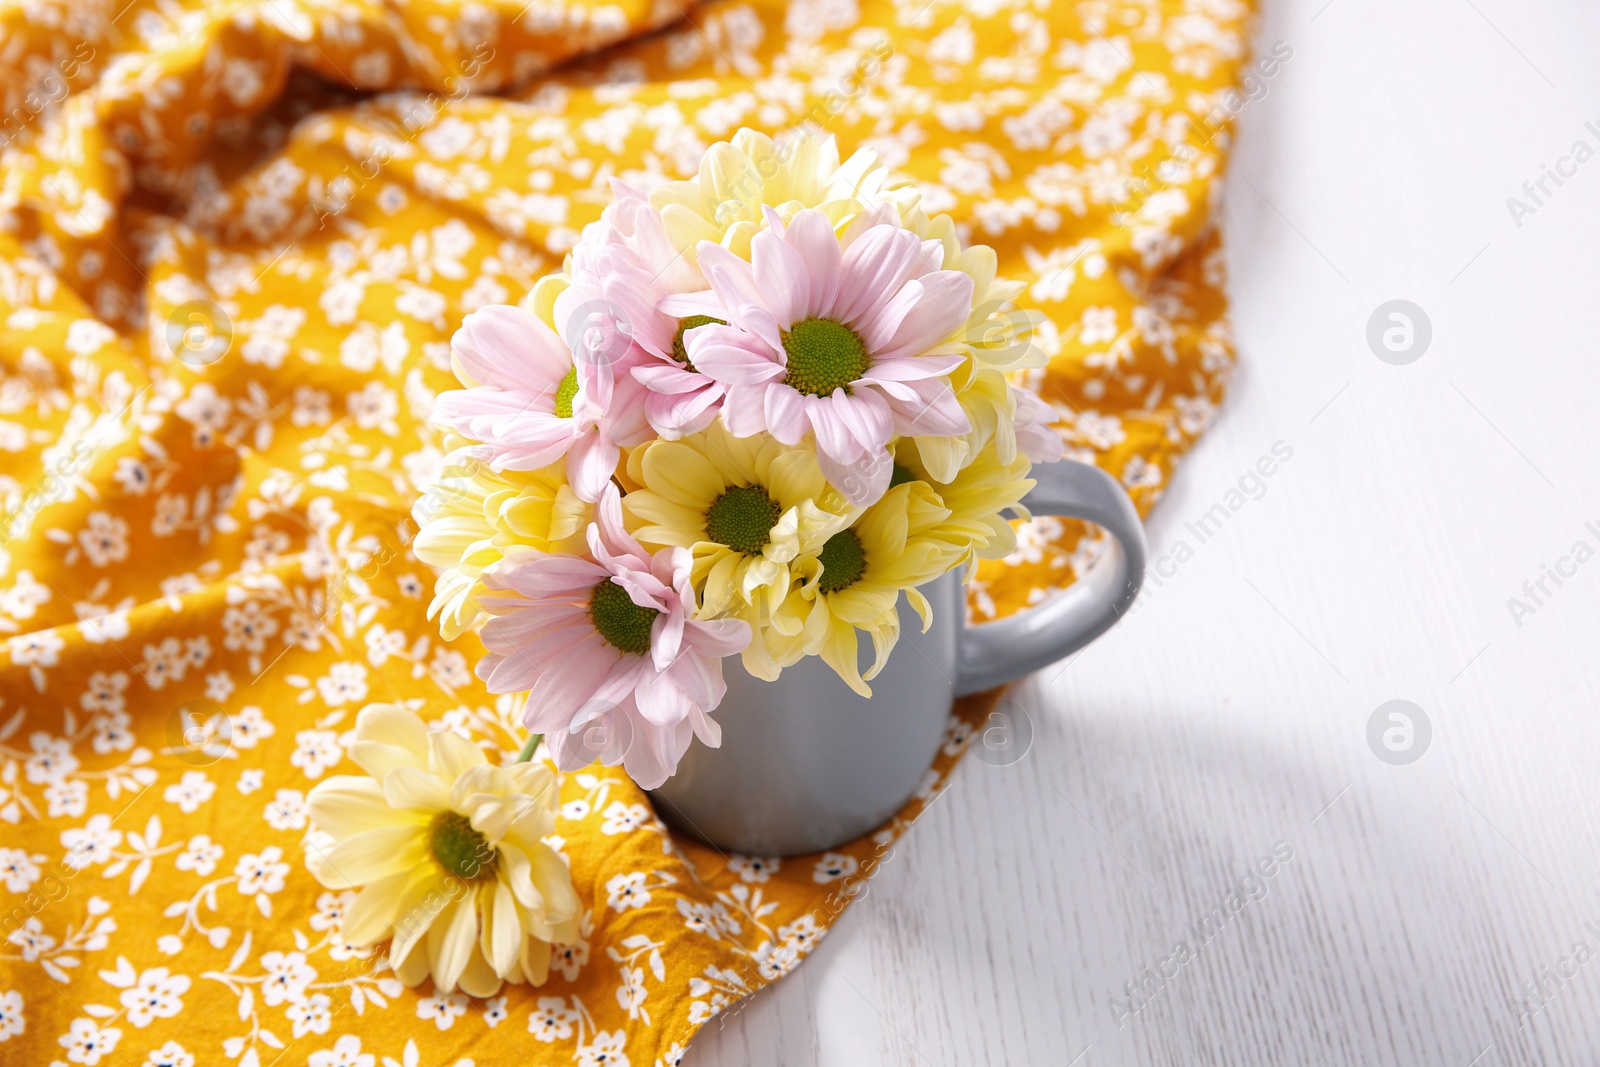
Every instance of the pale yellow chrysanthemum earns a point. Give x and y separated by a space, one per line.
723 202
854 583
746 507
469 517
998 340
979 498
449 851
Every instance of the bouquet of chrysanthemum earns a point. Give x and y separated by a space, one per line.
753 410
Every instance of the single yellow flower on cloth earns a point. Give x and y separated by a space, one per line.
470 516
449 850
746 507
855 582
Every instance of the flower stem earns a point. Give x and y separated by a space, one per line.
527 750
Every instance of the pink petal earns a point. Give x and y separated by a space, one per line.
706 728
671 378
785 413
811 235
654 754
874 268
1038 439
911 368
613 536
833 433
733 356
780 275
720 637
567 682
548 575
509 348
515 434
866 417
660 700
625 423
863 482
936 413
731 277
687 305
590 465
944 304
674 416
666 637
743 410
614 690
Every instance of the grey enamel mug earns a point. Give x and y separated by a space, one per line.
806 764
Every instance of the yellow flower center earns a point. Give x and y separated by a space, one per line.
460 849
680 353
823 356
842 560
624 624
742 518
565 392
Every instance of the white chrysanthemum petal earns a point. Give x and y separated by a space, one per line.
413 788
347 804
371 916
394 725
371 855
450 755
502 929
450 942
378 758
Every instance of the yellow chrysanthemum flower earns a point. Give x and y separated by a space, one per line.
449 851
469 517
998 340
723 202
854 583
978 499
746 507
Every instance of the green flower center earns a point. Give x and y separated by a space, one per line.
680 353
460 849
741 518
565 392
624 624
900 476
823 356
842 561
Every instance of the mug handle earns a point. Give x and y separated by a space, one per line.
995 653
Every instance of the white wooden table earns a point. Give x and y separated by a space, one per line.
1230 712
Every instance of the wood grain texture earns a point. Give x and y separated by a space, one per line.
1230 712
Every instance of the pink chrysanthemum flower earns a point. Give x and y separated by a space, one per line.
853 342
1035 437
609 641
530 403
621 270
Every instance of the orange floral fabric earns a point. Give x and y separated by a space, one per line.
234 241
